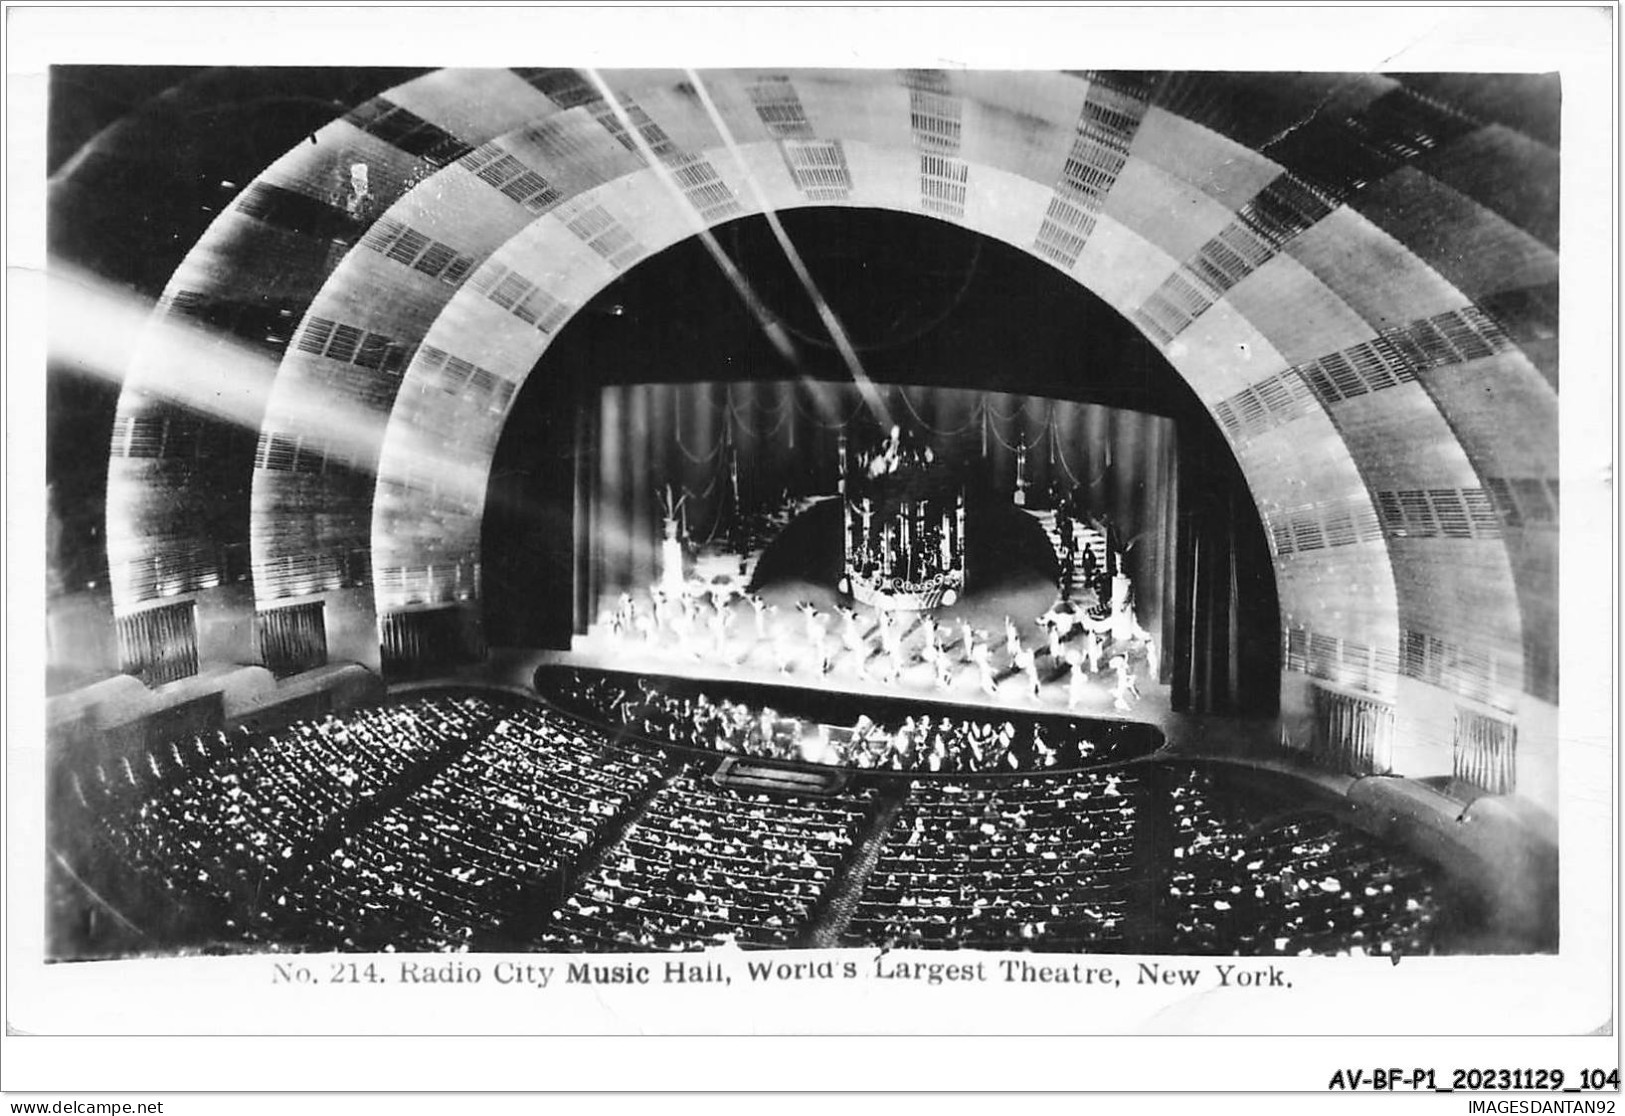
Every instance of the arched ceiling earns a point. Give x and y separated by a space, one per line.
1355 273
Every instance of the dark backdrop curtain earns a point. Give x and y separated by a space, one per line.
715 449
1227 653
1202 576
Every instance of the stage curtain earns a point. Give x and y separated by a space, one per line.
1177 506
1227 652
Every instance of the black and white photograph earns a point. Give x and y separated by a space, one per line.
708 525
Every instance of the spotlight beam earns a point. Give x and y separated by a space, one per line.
826 313
776 333
96 329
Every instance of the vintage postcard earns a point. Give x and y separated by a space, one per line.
585 542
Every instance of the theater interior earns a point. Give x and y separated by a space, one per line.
654 509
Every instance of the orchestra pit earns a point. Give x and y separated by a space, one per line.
550 510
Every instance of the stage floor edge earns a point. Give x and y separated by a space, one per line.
515 667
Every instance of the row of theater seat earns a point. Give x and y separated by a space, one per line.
459 856
1307 885
1033 863
468 821
706 865
219 828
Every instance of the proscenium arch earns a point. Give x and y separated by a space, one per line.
410 515
1267 347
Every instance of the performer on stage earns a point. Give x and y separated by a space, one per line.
1077 681
928 651
661 601
783 653
621 621
967 637
1027 661
1055 648
1012 638
720 621
1126 685
852 639
814 619
944 663
894 661
821 649
982 655
722 596
690 602
759 607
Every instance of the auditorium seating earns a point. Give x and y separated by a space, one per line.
1304 885
471 821
216 816
457 857
707 865
1023 864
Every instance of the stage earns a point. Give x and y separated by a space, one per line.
781 652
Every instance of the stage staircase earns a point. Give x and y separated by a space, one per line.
1084 539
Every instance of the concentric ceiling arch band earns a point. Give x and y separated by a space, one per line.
417 269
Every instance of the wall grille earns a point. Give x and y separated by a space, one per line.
1343 156
779 108
431 583
927 81
1173 306
1107 123
935 121
1265 405
350 344
300 574
159 645
1392 358
1438 513
512 178
294 638
464 379
1334 523
703 187
1353 735
565 88
1485 752
521 297
172 436
597 229
404 129
944 185
818 168
174 566
398 241
1529 502
1341 661
289 453
1470 672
